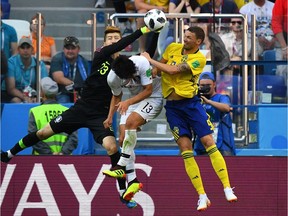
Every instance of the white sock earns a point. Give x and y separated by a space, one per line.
128 146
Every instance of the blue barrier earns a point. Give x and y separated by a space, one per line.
254 62
14 126
272 133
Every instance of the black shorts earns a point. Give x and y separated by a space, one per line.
79 116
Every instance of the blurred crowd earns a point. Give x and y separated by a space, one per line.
68 68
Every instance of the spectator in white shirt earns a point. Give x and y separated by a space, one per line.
262 9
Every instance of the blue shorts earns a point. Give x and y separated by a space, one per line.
186 115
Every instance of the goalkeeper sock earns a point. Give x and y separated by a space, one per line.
114 159
27 141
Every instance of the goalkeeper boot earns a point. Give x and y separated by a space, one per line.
203 202
229 194
115 172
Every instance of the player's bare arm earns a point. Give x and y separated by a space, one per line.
113 108
183 67
162 66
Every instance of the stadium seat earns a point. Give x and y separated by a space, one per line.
273 84
269 69
22 27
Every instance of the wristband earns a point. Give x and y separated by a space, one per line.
188 5
283 49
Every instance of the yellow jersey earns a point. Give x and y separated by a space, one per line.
239 3
164 3
202 2
184 83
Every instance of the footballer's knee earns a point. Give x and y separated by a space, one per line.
109 143
207 141
111 149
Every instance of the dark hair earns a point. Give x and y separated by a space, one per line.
124 67
111 29
35 17
198 31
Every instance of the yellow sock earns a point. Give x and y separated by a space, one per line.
219 165
193 171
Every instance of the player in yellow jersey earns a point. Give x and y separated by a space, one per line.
180 67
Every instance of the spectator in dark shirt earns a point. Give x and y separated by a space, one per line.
69 69
220 7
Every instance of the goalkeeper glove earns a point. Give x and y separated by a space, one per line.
145 30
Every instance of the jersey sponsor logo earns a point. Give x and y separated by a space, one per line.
195 64
149 72
184 58
74 187
58 119
195 177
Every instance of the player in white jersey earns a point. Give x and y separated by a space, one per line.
144 103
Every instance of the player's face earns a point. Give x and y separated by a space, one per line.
112 38
190 41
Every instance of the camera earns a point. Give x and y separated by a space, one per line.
204 89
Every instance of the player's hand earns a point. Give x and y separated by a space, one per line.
154 72
145 30
122 107
146 55
205 100
107 123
